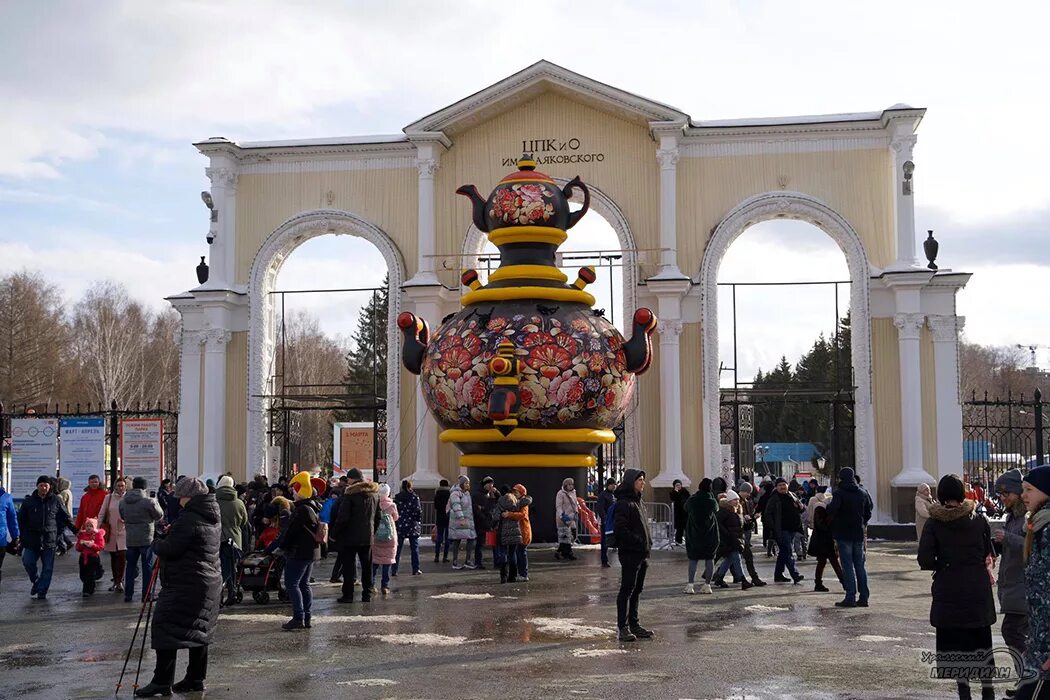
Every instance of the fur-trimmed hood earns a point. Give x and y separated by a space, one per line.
947 515
362 487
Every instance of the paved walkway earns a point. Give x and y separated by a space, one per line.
462 635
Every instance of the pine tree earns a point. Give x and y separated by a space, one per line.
365 377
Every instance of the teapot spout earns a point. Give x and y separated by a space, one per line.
639 349
471 192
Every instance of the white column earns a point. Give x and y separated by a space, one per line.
428 155
214 433
670 405
223 251
902 146
189 403
668 135
909 329
945 331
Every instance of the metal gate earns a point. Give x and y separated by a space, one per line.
1001 434
824 418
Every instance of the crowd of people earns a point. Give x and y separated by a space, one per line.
200 532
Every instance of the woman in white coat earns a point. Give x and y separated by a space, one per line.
923 499
566 508
460 509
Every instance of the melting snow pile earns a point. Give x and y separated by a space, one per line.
594 653
571 627
462 596
789 628
370 682
878 638
425 639
764 609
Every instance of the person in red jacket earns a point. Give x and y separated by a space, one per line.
90 541
91 501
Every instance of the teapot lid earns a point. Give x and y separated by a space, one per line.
527 172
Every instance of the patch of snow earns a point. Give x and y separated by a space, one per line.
426 639
462 596
789 628
594 653
370 682
765 609
571 627
878 638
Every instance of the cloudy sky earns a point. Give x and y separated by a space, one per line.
101 102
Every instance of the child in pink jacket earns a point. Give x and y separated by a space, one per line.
90 541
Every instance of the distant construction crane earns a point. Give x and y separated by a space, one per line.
1031 352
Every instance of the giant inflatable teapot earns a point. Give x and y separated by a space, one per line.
528 379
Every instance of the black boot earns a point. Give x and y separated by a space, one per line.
625 635
819 587
153 691
640 632
188 686
503 574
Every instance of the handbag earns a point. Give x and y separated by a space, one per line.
490 538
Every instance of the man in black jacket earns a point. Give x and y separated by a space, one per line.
633 542
441 496
40 519
784 515
486 515
850 511
355 524
606 500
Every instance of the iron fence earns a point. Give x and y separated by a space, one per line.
1001 434
112 417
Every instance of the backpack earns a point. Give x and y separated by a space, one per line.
608 526
320 534
385 532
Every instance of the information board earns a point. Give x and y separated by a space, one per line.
81 451
142 449
34 451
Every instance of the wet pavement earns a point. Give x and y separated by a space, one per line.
460 634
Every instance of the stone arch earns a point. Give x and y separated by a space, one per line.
802 207
603 204
262 317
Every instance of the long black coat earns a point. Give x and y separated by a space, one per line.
630 520
822 543
441 496
357 516
730 530
190 577
678 499
953 546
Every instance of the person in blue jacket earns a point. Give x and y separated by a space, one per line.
8 526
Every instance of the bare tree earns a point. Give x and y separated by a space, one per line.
110 335
311 357
997 370
33 341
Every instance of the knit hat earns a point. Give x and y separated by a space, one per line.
384 490
1010 482
93 522
521 490
781 480
225 480
487 480
732 495
950 488
139 482
462 481
43 479
744 487
847 476
190 487
1040 478
355 474
676 482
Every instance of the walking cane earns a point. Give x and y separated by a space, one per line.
147 600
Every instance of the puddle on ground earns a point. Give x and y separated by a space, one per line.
30 657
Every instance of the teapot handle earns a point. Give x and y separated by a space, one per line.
574 217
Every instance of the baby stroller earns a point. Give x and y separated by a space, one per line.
260 573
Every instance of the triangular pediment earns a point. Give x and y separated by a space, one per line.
535 80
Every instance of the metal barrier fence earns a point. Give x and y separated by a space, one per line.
660 524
